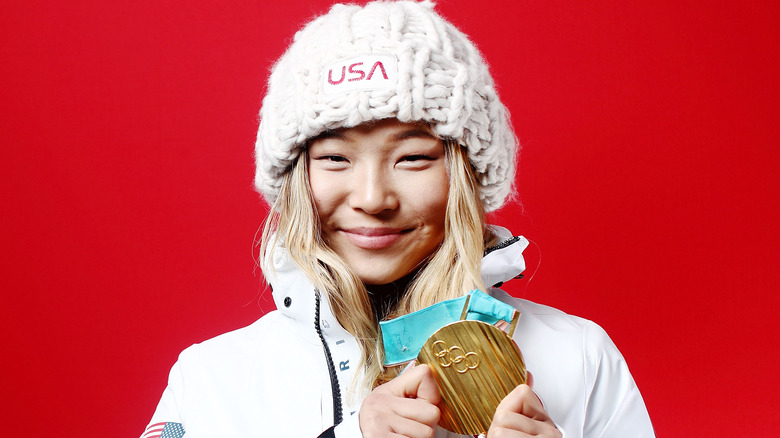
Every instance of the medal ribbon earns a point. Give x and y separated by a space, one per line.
403 337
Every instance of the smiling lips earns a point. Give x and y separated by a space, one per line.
374 238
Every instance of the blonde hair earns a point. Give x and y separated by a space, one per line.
453 269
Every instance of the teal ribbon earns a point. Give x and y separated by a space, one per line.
403 337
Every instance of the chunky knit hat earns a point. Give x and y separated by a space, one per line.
383 60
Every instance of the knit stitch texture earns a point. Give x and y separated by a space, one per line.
383 60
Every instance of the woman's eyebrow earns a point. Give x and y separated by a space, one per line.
413 133
328 134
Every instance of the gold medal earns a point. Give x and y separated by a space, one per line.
476 365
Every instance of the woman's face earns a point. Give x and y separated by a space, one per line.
381 196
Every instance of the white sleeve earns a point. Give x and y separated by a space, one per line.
169 408
614 406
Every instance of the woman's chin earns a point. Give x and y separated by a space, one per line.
380 272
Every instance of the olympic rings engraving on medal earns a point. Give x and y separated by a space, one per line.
454 356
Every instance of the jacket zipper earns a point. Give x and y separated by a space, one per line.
334 380
503 244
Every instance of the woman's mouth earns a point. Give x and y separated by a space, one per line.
374 238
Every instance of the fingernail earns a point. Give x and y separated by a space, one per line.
409 365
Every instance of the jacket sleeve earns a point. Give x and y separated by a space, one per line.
167 416
614 406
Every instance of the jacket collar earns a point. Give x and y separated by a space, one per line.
504 260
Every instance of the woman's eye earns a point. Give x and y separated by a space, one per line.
417 157
332 162
333 158
416 161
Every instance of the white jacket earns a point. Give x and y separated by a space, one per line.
288 374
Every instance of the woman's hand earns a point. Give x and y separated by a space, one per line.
402 407
521 414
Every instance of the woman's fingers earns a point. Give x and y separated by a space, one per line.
513 421
405 406
415 382
419 383
383 414
524 401
407 427
521 414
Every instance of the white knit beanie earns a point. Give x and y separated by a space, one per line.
384 60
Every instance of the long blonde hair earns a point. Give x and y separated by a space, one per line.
453 269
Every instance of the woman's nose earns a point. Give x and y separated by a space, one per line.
373 192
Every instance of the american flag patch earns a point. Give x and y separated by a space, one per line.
164 430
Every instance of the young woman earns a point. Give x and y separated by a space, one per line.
382 144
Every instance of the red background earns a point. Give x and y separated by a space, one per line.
648 179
